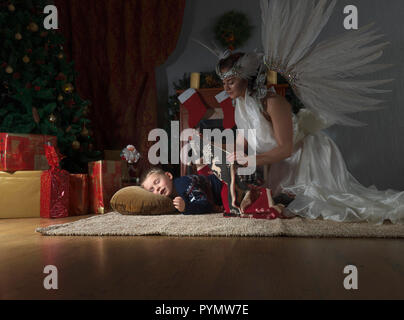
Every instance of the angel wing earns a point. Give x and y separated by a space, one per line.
220 54
323 76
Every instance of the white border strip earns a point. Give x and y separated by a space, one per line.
186 95
222 96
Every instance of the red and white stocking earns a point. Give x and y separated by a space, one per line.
228 109
195 106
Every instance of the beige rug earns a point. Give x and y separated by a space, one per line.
115 224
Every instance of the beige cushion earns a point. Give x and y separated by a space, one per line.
137 201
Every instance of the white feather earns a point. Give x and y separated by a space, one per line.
327 73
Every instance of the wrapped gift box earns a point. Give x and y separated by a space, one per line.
20 194
115 155
24 151
79 195
105 179
112 155
54 187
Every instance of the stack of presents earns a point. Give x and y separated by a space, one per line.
32 184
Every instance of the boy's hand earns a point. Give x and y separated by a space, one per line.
179 204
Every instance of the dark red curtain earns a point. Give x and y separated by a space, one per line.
116 45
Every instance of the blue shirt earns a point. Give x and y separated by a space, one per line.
200 193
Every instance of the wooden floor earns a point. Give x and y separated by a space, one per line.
194 268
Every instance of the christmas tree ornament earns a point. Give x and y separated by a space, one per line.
35 115
130 154
18 36
33 27
76 145
60 56
70 103
52 118
84 132
68 88
11 7
25 59
68 128
9 70
86 111
60 97
60 76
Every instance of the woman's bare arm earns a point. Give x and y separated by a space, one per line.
280 111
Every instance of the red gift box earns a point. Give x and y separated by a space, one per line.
54 188
105 179
24 151
79 201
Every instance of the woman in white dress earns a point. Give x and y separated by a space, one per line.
303 160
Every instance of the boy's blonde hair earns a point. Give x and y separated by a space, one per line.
149 172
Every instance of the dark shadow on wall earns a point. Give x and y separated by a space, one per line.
161 71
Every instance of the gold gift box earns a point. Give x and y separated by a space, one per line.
20 194
114 155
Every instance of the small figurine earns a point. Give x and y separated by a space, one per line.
130 154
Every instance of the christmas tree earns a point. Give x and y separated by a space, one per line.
37 84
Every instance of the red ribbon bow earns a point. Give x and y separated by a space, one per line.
52 157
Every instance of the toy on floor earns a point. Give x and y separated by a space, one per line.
242 196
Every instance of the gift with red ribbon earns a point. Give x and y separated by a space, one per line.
105 179
54 187
79 195
23 151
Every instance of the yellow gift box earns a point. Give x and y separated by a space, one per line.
20 194
114 155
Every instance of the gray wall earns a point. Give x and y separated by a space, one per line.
374 154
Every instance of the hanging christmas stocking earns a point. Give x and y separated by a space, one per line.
228 110
193 103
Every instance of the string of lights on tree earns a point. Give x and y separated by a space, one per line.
37 83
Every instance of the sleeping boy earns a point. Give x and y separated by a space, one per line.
192 194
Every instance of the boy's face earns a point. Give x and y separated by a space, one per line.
159 183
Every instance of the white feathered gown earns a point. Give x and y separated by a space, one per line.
316 173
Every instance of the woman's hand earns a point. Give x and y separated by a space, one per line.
179 204
239 157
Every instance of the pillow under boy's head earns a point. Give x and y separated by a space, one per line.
138 201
